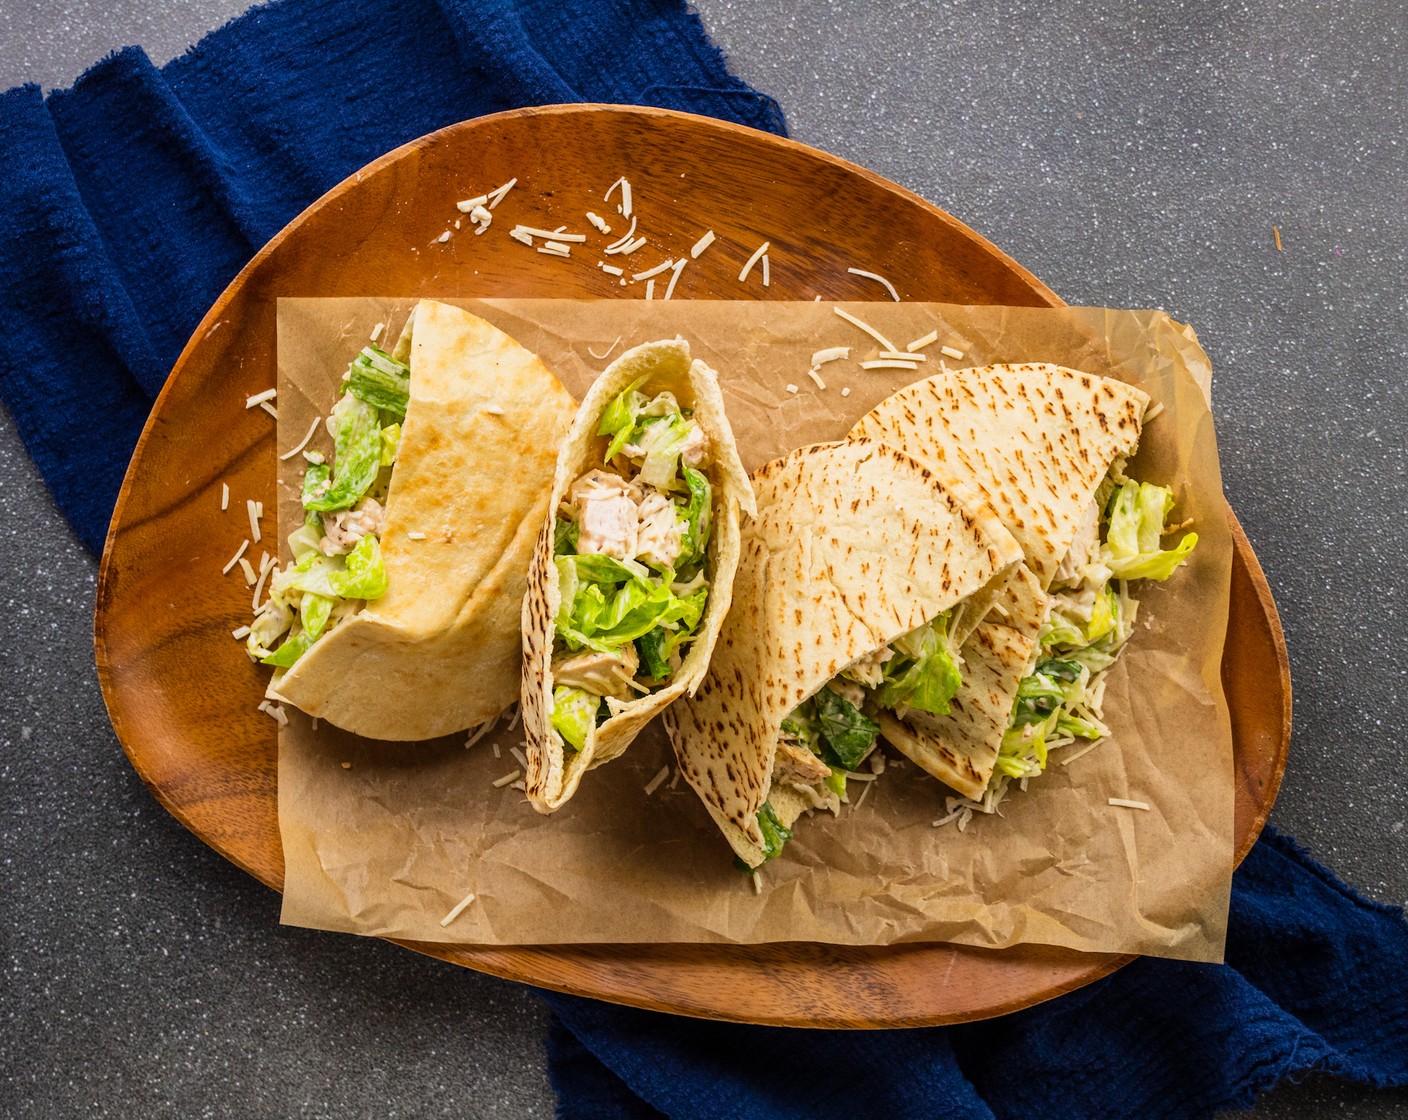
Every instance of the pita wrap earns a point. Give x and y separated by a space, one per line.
439 652
666 367
855 545
1036 441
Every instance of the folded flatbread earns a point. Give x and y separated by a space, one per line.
1037 441
633 570
439 651
855 546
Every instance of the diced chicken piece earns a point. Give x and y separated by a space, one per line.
869 670
346 527
605 674
607 515
1085 548
660 537
848 690
799 765
695 449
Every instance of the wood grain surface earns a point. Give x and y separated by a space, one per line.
188 721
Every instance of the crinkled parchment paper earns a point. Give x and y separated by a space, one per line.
389 844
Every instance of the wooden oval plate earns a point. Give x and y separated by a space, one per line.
189 724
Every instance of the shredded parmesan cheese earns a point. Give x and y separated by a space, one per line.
415 536
376 331
1154 411
603 357
702 244
235 559
609 269
624 207
901 356
885 343
496 750
470 203
519 235
820 384
600 223
1122 803
894 295
253 519
507 779
270 409
497 194
553 249
676 779
674 278
889 365
791 388
304 441
754 259
757 883
519 756
241 634
657 781
224 495
950 352
767 276
1068 758
638 243
863 792
480 731
264 570
919 343
517 711
248 571
846 391
833 354
458 910
650 289
480 216
444 237
664 266
260 398
625 239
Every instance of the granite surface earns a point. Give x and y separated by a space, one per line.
1128 155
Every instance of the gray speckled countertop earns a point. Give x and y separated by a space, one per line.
1128 155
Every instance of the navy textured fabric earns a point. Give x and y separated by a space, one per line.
128 202
1316 979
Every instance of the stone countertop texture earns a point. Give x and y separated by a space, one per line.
1129 155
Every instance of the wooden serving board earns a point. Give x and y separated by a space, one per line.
189 724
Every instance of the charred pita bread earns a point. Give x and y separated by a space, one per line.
855 546
633 543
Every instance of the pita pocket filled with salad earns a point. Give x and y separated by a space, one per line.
634 565
397 616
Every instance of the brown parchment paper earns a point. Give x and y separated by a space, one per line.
388 845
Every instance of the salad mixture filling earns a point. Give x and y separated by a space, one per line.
631 548
1091 616
829 735
337 566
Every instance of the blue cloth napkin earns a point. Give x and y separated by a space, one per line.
127 204
1316 979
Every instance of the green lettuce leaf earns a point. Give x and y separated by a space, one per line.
573 714
379 380
364 576
356 457
1157 566
313 613
289 652
775 833
564 536
697 517
847 731
618 420
1138 512
923 674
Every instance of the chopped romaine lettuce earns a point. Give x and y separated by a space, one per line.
662 441
846 731
356 456
564 536
380 380
696 518
923 673
313 613
294 647
574 712
364 576
1138 512
390 444
619 418
775 833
